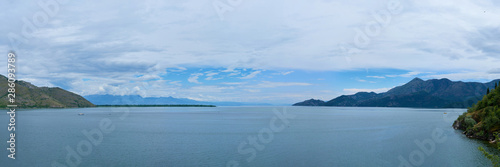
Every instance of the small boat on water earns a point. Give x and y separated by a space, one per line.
81 114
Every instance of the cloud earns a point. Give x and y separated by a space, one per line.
177 69
268 84
252 90
233 83
176 83
39 82
356 90
409 74
362 80
378 77
251 75
194 78
148 77
111 44
299 37
234 73
151 88
283 73
479 76
494 71
210 75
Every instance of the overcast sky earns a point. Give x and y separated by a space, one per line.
279 51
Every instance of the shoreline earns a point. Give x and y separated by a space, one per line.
98 106
158 105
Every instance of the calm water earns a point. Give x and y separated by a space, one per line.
315 136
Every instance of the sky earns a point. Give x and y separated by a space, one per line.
249 51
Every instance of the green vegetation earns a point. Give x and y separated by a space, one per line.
469 122
168 105
495 159
482 121
434 93
31 96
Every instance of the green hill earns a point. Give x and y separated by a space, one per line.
31 96
481 120
433 93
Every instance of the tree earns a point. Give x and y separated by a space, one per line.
496 85
495 159
488 91
469 122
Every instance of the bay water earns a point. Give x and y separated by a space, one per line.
239 136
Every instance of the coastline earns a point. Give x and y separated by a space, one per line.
161 105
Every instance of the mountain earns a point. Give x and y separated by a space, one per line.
482 121
311 102
31 96
136 100
139 100
434 93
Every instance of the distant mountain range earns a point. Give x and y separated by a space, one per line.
139 100
31 96
434 93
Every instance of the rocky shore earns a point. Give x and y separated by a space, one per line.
459 125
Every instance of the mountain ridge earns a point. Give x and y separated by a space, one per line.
432 93
31 96
139 100
482 120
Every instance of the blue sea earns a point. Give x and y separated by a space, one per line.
240 136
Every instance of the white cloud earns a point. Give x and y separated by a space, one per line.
210 75
112 43
356 90
251 75
409 74
268 84
177 69
378 77
39 82
362 80
252 90
194 78
466 76
233 83
286 73
283 73
149 76
234 73
176 83
153 88
299 37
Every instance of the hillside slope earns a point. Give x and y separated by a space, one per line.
31 96
434 93
481 121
